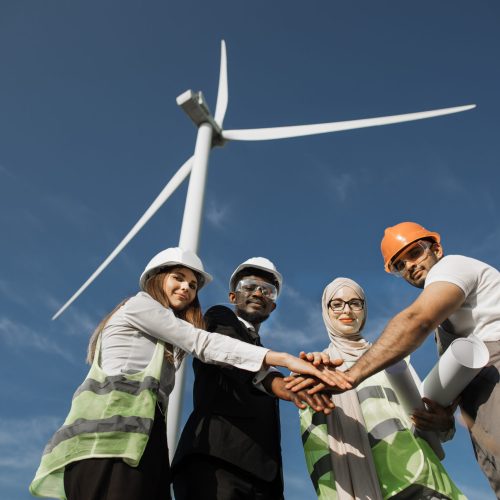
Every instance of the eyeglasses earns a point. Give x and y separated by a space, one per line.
414 254
338 305
249 286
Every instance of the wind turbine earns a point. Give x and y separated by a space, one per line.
210 134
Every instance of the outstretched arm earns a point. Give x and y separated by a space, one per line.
403 334
407 330
330 377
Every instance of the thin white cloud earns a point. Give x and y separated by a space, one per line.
21 445
341 184
22 440
76 322
445 179
216 214
22 218
374 327
294 339
19 336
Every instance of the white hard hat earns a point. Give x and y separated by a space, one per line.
258 263
172 257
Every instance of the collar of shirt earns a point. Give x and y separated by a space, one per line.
247 324
251 330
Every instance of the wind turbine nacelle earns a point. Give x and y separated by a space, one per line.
195 106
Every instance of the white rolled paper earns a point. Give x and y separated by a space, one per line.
403 383
459 364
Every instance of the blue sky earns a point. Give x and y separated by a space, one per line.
90 132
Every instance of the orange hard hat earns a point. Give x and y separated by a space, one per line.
397 237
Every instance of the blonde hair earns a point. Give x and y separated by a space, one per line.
154 287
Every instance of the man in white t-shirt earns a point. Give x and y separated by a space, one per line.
460 297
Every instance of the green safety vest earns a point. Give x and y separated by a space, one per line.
110 417
402 460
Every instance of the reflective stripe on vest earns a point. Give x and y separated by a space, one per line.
315 441
402 460
110 416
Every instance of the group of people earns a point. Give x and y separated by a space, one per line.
359 443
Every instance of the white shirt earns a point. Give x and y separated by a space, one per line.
129 340
480 313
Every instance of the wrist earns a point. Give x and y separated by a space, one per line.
274 384
355 375
276 358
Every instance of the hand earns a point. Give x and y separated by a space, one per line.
318 402
331 378
436 417
320 358
299 383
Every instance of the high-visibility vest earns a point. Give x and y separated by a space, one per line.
402 460
110 416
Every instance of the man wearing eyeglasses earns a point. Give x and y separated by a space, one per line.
230 447
460 297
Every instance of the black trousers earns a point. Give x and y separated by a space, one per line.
113 479
202 477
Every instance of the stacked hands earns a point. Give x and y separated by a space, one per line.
313 385
317 380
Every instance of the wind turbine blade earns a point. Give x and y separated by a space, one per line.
264 134
222 92
171 186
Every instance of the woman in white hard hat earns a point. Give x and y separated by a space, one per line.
366 448
113 443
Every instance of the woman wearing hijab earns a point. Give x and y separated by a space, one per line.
365 449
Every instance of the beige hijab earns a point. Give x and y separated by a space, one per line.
350 451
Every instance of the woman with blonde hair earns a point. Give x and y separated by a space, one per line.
113 443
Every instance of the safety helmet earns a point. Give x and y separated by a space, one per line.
258 263
175 256
397 237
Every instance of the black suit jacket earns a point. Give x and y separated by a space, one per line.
231 419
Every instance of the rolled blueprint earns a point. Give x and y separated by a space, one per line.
405 386
459 364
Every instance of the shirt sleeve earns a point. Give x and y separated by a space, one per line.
147 315
454 269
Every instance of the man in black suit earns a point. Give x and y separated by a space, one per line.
230 447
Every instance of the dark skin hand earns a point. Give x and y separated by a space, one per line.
436 418
318 402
